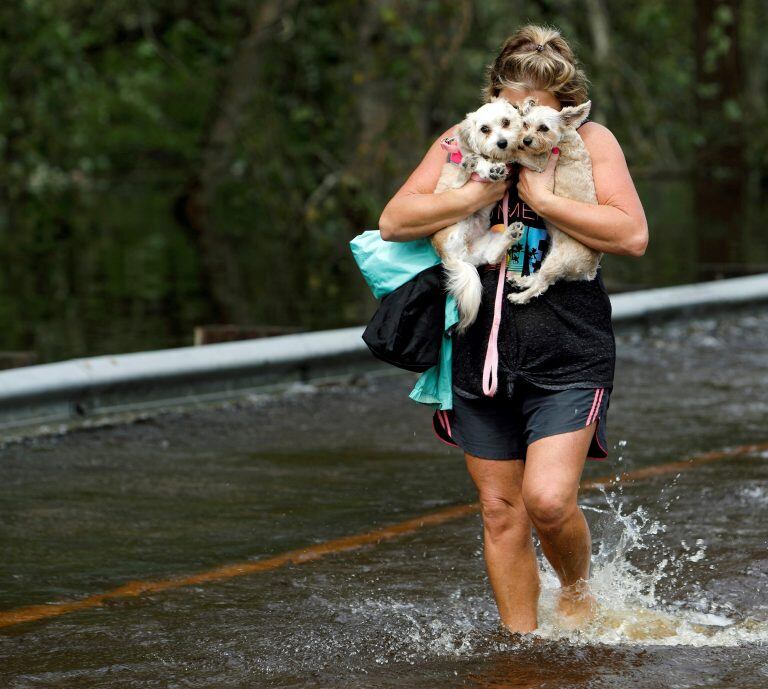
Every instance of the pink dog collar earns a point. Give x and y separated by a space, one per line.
449 144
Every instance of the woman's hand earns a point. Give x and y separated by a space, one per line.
616 224
478 194
416 211
536 188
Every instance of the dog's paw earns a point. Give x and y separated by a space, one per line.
520 280
519 297
515 231
469 163
497 171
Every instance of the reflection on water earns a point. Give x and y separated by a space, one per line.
680 565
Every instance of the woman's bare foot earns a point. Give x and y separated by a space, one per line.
576 605
518 629
514 637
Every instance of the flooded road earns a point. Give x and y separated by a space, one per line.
680 561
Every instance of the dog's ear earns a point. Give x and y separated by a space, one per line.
514 111
574 115
464 134
527 104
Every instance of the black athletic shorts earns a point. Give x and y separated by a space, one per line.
503 428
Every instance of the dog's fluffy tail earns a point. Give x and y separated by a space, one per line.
463 281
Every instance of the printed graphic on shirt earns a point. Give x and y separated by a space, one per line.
526 255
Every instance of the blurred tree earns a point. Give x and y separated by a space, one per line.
719 154
220 267
169 164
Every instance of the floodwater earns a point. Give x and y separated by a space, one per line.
680 560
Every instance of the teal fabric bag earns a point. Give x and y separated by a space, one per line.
387 265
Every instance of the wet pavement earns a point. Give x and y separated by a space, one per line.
680 561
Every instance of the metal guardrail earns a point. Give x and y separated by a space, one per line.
648 304
78 389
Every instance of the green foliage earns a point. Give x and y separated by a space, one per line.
106 111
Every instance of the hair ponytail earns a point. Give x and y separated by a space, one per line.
537 58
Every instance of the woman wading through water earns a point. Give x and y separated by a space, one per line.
525 447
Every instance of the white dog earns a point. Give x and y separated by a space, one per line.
488 141
544 128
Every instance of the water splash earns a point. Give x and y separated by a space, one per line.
631 608
635 606
388 612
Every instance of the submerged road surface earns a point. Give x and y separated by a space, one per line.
680 560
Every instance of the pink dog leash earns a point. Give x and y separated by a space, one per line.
491 365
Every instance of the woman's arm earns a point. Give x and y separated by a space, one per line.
618 224
416 211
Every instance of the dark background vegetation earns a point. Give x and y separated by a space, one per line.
168 164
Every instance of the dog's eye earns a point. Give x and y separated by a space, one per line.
543 128
485 129
505 123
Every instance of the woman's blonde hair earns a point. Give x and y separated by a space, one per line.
537 58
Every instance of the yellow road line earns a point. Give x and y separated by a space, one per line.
680 465
131 589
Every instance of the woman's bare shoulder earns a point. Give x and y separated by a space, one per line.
600 141
613 182
424 178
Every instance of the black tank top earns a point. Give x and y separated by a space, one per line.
561 339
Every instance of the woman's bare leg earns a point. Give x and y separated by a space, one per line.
508 549
550 488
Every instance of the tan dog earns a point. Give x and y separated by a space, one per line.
487 140
543 129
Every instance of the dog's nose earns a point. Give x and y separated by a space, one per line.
528 140
502 143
